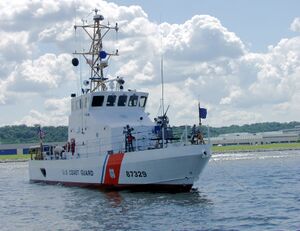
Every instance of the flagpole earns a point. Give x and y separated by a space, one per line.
199 113
41 142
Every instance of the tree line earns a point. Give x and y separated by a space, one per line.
29 134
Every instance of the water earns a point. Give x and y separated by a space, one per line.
247 191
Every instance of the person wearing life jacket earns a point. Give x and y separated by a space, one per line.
73 146
130 138
194 134
200 138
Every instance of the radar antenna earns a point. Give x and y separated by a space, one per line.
96 57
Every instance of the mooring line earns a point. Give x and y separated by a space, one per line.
242 186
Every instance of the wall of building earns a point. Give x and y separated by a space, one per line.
21 149
285 136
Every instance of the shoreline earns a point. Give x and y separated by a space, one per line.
255 150
13 160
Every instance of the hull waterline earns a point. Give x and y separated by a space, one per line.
132 188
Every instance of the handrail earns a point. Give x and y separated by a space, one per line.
144 140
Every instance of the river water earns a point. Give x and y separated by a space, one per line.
240 191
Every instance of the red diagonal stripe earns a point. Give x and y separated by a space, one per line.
112 171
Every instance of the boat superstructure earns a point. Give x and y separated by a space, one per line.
112 142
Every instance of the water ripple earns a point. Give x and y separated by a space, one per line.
241 191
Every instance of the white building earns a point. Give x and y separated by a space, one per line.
284 136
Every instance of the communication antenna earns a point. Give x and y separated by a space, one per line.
164 121
162 100
162 84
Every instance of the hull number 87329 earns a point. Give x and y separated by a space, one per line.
136 174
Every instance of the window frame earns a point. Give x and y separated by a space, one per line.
124 102
93 104
145 98
113 102
132 100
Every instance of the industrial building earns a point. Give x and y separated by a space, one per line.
284 136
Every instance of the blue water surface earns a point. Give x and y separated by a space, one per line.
240 191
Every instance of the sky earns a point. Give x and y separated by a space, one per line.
239 58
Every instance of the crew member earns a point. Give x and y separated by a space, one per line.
130 138
194 134
200 138
73 146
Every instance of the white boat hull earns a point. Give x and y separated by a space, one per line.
172 168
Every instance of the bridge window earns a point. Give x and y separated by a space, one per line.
111 99
133 99
97 101
143 101
122 100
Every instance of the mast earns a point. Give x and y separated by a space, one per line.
162 100
162 84
96 57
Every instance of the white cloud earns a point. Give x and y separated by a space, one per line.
49 7
203 61
201 38
59 32
2 95
182 105
59 105
192 49
227 116
14 46
295 26
56 114
47 72
235 93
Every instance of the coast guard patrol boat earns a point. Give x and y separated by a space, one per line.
112 143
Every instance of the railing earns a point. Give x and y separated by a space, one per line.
117 144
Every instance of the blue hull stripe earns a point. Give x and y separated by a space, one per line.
103 169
